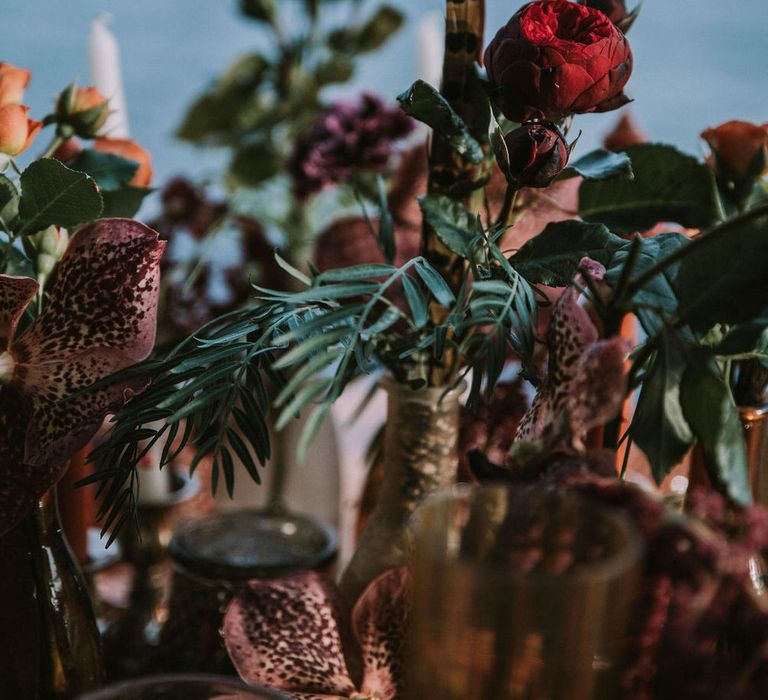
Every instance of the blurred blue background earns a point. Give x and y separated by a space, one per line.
697 63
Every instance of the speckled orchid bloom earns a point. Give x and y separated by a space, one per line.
99 317
290 634
585 381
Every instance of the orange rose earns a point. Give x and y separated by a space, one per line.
86 98
740 149
130 150
16 129
13 82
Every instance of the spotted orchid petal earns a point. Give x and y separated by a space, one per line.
99 318
379 623
585 382
15 295
286 633
599 386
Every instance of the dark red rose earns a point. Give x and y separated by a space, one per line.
555 58
615 10
537 154
345 139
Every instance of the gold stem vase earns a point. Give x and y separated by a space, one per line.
420 456
48 635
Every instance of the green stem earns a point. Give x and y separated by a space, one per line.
53 146
700 241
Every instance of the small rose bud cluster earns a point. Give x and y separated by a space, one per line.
81 111
17 130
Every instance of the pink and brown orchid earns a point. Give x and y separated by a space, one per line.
98 318
585 381
290 634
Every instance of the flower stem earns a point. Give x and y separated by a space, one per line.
53 146
702 240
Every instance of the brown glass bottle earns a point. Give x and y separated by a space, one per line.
49 643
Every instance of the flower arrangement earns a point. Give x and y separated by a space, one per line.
655 235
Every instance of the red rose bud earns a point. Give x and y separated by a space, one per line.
555 58
537 154
81 112
739 149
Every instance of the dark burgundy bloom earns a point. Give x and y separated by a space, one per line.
99 318
537 154
555 58
345 139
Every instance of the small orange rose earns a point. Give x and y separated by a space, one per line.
82 110
740 149
13 82
16 129
86 98
126 148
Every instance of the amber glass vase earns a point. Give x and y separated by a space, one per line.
420 456
49 642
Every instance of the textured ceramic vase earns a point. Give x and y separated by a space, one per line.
420 456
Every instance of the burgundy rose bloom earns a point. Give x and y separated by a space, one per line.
555 58
537 154
346 138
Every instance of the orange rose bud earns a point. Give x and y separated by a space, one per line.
130 150
16 129
739 149
81 111
13 82
624 134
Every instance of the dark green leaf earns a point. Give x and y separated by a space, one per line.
656 300
553 257
371 35
659 427
110 171
726 280
453 223
124 202
427 105
712 414
416 301
668 186
748 337
365 271
339 69
435 283
261 10
54 195
600 165
375 32
255 163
